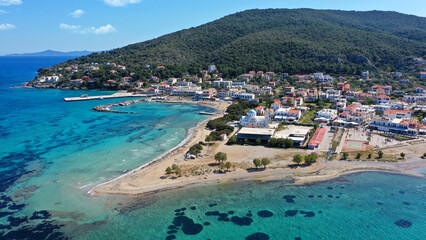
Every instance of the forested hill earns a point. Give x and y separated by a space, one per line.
282 40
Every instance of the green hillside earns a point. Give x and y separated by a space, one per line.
281 40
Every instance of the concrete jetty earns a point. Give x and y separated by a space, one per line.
115 95
206 113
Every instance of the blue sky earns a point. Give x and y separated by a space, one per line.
64 25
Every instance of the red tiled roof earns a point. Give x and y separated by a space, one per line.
391 111
318 136
294 111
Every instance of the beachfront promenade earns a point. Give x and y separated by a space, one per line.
115 95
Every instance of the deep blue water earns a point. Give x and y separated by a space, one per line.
53 152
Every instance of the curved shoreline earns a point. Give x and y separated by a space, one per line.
266 177
318 172
189 135
150 178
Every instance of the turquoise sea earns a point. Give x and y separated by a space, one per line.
53 152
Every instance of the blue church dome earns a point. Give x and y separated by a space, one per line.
252 111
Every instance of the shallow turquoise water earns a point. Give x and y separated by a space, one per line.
53 152
358 206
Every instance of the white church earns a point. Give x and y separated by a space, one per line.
252 120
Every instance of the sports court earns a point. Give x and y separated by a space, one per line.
353 145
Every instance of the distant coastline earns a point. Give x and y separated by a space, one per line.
50 53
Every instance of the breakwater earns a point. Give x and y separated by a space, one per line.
115 95
107 107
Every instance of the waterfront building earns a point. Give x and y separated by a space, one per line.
399 126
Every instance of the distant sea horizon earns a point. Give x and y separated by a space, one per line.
53 152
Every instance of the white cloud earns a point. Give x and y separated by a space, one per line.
2 11
84 30
10 2
105 29
6 26
120 3
77 13
69 27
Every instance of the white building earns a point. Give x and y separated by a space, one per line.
326 115
171 81
287 115
49 79
397 114
318 75
399 126
266 90
221 83
276 105
325 79
185 91
243 96
413 99
252 120
332 95
365 74
211 68
382 99
340 103
184 84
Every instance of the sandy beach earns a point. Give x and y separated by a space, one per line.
151 177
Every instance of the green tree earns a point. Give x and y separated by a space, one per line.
310 158
220 157
222 165
228 165
174 166
297 159
232 140
246 141
345 155
368 101
316 125
402 155
179 172
265 162
258 141
288 143
424 155
169 170
369 155
358 155
380 153
209 138
257 162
